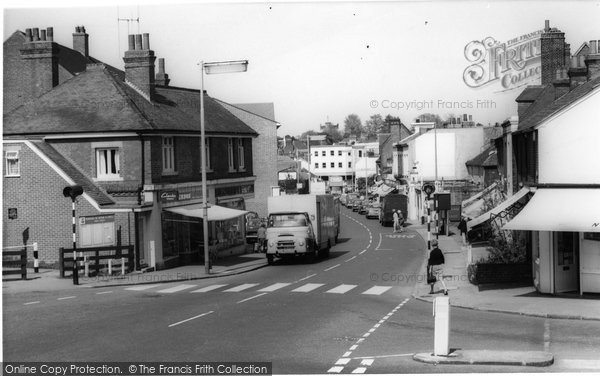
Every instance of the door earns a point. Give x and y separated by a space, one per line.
566 253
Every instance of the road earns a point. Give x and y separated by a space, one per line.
352 312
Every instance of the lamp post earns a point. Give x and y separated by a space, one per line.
73 191
211 68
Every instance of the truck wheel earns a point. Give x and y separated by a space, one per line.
270 259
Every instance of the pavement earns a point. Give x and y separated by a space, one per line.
505 298
49 279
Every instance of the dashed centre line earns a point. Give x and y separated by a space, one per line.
328 269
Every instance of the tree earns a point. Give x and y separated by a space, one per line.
352 125
433 118
374 125
333 132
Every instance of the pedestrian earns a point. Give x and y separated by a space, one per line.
400 221
435 266
396 221
462 226
262 238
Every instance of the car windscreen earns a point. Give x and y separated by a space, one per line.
287 220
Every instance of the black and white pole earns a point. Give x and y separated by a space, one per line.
72 192
36 260
428 224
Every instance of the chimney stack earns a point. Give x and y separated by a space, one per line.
80 41
40 62
162 78
553 51
577 71
139 65
592 61
562 84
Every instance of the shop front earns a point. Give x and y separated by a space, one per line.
183 236
565 226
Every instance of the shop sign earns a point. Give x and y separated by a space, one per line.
181 194
105 218
243 189
168 196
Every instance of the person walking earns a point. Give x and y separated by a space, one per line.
396 221
435 266
400 221
262 238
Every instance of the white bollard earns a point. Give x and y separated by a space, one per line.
122 265
110 266
86 265
441 313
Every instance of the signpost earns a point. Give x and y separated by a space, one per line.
73 191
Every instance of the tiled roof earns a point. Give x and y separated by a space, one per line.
264 110
574 95
98 100
96 193
530 93
487 158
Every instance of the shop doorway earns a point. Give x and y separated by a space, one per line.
566 266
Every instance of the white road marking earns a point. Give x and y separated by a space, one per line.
328 269
378 244
36 302
209 288
353 347
377 290
382 356
342 361
335 369
177 288
360 340
372 330
273 287
308 287
239 288
255 296
362 252
547 335
141 287
347 354
351 258
377 325
591 364
191 318
104 292
360 370
366 335
367 362
341 289
67 297
305 278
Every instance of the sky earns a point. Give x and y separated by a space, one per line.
319 62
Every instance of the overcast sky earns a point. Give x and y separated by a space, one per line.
323 61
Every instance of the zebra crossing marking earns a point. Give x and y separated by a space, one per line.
239 288
341 289
360 370
274 287
141 287
209 288
377 290
308 287
177 288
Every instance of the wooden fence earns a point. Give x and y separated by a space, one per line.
10 267
95 256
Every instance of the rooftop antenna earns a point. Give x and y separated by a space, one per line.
129 21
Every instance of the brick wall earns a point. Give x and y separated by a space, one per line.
37 195
553 54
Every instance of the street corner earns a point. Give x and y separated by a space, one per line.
489 357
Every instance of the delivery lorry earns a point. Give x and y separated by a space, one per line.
301 225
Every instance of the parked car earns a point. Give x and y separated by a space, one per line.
362 206
350 200
343 199
373 210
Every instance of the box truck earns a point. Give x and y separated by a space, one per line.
389 204
301 225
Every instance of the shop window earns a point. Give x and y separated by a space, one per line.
13 167
168 154
230 154
240 147
107 163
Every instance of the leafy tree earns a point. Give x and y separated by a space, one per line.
374 125
333 132
353 125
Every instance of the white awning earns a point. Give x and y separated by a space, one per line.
215 212
503 206
560 209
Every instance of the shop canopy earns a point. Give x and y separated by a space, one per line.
560 209
503 206
215 212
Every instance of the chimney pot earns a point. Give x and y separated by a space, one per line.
43 34
593 47
138 41
36 34
161 65
146 41
547 26
50 34
131 39
28 35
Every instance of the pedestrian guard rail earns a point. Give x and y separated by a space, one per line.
97 260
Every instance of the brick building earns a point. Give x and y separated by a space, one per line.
133 143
